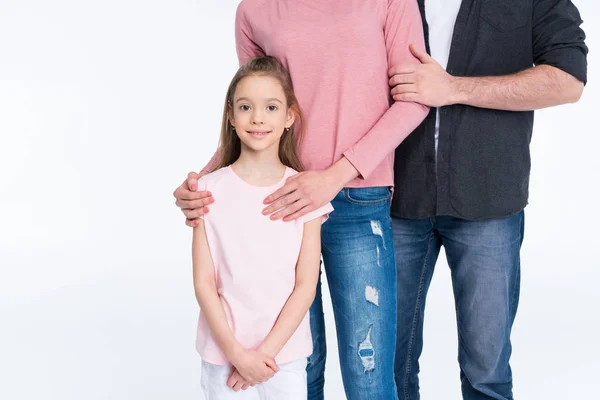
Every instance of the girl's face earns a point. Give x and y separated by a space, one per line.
260 113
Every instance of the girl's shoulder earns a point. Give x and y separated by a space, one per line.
224 178
212 179
291 171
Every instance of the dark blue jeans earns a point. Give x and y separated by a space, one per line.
359 260
484 261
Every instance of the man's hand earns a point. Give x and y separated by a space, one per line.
192 203
426 83
236 382
254 366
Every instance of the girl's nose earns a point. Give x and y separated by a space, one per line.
257 118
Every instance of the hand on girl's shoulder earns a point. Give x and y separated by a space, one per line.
205 182
321 212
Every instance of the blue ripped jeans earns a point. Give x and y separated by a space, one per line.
359 260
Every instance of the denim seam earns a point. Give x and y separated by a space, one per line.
415 318
515 291
377 202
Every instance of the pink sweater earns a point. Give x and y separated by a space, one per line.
338 53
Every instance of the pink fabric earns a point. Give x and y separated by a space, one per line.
338 53
255 264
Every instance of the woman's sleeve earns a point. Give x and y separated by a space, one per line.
403 26
246 48
245 44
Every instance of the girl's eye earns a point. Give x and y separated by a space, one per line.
244 107
272 108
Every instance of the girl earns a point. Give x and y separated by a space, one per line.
255 278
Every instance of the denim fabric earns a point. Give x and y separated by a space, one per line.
485 265
359 260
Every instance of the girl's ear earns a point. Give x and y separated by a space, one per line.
291 117
230 116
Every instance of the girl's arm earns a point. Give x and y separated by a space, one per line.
206 293
297 305
252 365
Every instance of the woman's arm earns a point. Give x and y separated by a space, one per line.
245 49
191 202
212 163
403 26
297 305
245 45
309 190
252 365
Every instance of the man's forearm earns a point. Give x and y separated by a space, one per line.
535 88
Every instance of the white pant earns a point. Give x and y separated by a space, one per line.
287 384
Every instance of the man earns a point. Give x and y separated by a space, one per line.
461 178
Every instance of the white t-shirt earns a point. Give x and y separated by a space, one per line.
441 16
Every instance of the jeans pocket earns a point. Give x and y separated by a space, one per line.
368 196
506 15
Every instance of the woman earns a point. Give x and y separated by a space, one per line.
338 53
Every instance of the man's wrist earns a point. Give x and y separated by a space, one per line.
454 90
459 90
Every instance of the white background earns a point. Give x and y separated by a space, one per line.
104 108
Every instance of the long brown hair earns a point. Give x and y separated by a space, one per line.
230 145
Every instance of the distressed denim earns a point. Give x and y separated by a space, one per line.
359 260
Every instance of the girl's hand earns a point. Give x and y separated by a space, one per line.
254 366
191 202
236 382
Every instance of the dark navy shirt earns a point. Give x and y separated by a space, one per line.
483 161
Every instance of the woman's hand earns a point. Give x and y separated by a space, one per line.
192 203
307 191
